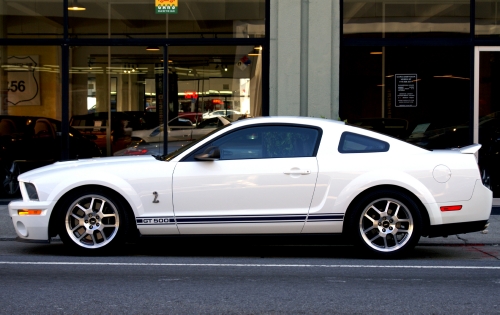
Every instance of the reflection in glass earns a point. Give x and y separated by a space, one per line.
406 18
489 119
30 120
192 19
32 19
487 18
440 106
208 87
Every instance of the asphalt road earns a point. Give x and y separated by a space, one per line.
204 275
198 276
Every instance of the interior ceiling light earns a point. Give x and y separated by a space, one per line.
376 53
76 7
258 47
225 68
153 48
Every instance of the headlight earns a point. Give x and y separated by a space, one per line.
31 190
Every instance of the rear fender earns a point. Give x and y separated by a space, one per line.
387 177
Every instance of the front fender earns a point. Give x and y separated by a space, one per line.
111 181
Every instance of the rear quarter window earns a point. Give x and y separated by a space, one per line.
355 143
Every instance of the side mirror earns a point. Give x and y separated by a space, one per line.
210 154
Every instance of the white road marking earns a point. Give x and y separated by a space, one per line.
56 263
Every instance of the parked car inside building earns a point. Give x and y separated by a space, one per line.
96 124
28 142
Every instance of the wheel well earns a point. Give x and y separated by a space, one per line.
52 223
420 205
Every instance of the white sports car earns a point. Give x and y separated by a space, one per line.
270 175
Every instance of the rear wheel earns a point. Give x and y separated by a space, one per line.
93 220
386 223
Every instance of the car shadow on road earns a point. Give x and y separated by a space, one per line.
249 247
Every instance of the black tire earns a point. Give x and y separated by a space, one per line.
385 223
93 220
10 182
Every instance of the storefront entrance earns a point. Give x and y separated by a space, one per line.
487 115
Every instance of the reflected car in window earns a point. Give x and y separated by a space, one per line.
233 114
94 125
260 176
180 129
140 147
28 142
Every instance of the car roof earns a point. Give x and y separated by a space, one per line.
289 119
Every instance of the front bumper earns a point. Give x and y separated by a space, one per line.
31 228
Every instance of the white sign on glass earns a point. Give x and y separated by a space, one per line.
24 82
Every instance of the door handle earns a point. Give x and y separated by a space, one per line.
297 172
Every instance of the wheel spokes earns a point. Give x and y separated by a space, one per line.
369 218
382 229
92 221
373 207
369 229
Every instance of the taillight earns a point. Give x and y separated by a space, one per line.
451 208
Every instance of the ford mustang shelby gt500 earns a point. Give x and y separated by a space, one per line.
270 175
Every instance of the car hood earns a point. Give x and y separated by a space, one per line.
94 163
141 133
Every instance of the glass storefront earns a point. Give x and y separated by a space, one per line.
412 93
408 70
95 86
204 84
95 71
489 118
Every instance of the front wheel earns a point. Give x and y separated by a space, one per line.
10 182
385 223
92 220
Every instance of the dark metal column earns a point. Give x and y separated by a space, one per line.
472 36
65 88
266 62
165 99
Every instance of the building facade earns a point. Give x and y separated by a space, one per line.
424 71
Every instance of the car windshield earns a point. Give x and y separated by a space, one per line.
175 153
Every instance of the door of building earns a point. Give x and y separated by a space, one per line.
487 115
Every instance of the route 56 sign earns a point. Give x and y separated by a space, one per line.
24 83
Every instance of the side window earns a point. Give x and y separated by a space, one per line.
354 143
265 142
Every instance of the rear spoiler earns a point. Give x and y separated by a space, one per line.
470 149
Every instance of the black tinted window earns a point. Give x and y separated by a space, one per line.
354 143
268 142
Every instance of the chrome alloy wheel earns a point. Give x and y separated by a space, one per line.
92 221
386 225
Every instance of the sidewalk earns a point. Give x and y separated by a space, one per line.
7 232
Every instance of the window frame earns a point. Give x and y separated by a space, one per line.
345 134
191 155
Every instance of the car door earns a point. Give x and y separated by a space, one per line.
263 182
